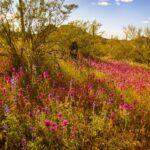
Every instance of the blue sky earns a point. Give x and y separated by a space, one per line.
113 14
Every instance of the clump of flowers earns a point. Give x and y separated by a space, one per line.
52 126
48 123
126 107
92 114
65 123
45 75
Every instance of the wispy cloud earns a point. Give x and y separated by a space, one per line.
108 3
103 3
124 1
118 2
146 21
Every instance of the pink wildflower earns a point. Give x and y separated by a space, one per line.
8 79
125 106
59 115
48 123
54 127
45 75
65 123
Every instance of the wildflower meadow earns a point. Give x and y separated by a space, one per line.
70 82
109 111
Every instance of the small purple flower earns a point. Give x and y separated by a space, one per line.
13 81
6 109
31 129
94 105
23 143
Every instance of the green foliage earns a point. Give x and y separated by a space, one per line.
136 48
25 28
89 45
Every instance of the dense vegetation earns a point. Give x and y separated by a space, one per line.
48 100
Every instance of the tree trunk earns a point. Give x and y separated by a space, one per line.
21 9
22 21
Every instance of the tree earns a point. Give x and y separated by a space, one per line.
130 32
139 40
147 32
26 24
94 27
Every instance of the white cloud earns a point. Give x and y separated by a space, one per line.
103 3
124 1
147 21
118 2
107 2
